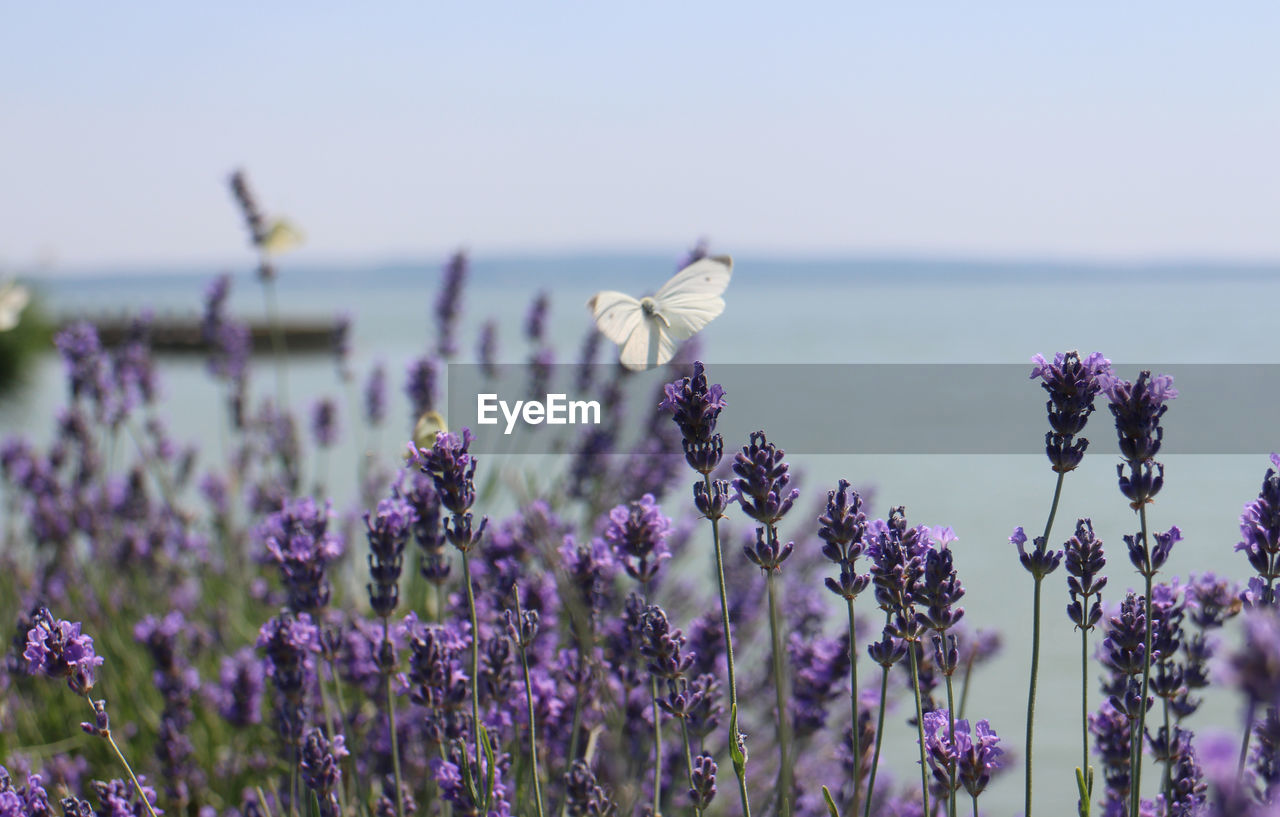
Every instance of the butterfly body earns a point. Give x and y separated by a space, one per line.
648 329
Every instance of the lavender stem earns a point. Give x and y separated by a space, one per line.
915 687
106 733
1035 647
1136 795
780 693
853 704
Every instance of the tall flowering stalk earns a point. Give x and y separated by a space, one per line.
1085 560
841 529
522 628
453 471
761 489
259 234
1260 534
388 531
696 407
1072 384
939 591
1137 408
58 649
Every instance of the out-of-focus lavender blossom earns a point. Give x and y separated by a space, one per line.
448 778
487 349
1041 561
587 355
535 322
169 642
320 770
1260 531
248 204
1137 408
324 422
584 797
540 363
421 384
1072 385
375 395
289 642
695 407
700 250
88 376
240 688
1212 600
1113 743
1085 560
427 532
449 304
297 538
637 534
588 567
820 667
1254 668
388 530
120 799
58 649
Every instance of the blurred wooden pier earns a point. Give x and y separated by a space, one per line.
181 334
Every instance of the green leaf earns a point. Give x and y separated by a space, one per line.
831 804
735 750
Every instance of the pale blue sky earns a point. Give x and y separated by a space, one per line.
1090 129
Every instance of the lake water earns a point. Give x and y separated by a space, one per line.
837 312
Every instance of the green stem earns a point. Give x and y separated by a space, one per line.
657 747
1244 744
1035 648
740 769
533 729
915 687
106 733
780 694
951 736
1085 796
1136 771
277 341
853 705
475 662
391 723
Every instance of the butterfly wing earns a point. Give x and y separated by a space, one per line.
691 299
13 299
281 236
650 344
617 315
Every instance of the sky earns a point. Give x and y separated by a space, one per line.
1092 130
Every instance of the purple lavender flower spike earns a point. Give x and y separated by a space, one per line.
1137 408
841 529
703 790
487 349
1125 644
1148 561
289 642
57 649
421 385
320 769
637 534
1113 744
375 395
449 304
761 486
1041 561
696 407
388 531
1085 560
1255 668
453 470
1072 385
240 687
298 539
1260 532
584 797
324 422
535 323
939 591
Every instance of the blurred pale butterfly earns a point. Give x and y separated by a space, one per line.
648 329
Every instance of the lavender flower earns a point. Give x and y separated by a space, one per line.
487 350
319 767
820 665
1085 561
449 304
453 470
1041 561
841 528
761 486
703 790
696 407
637 534
535 323
298 540
1113 743
1260 531
289 642
1149 560
938 591
1255 667
375 395
57 649
1072 385
584 797
1125 642
1137 408
420 385
974 753
248 207
388 531
324 422
427 532
240 688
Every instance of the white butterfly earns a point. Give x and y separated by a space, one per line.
13 299
648 329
